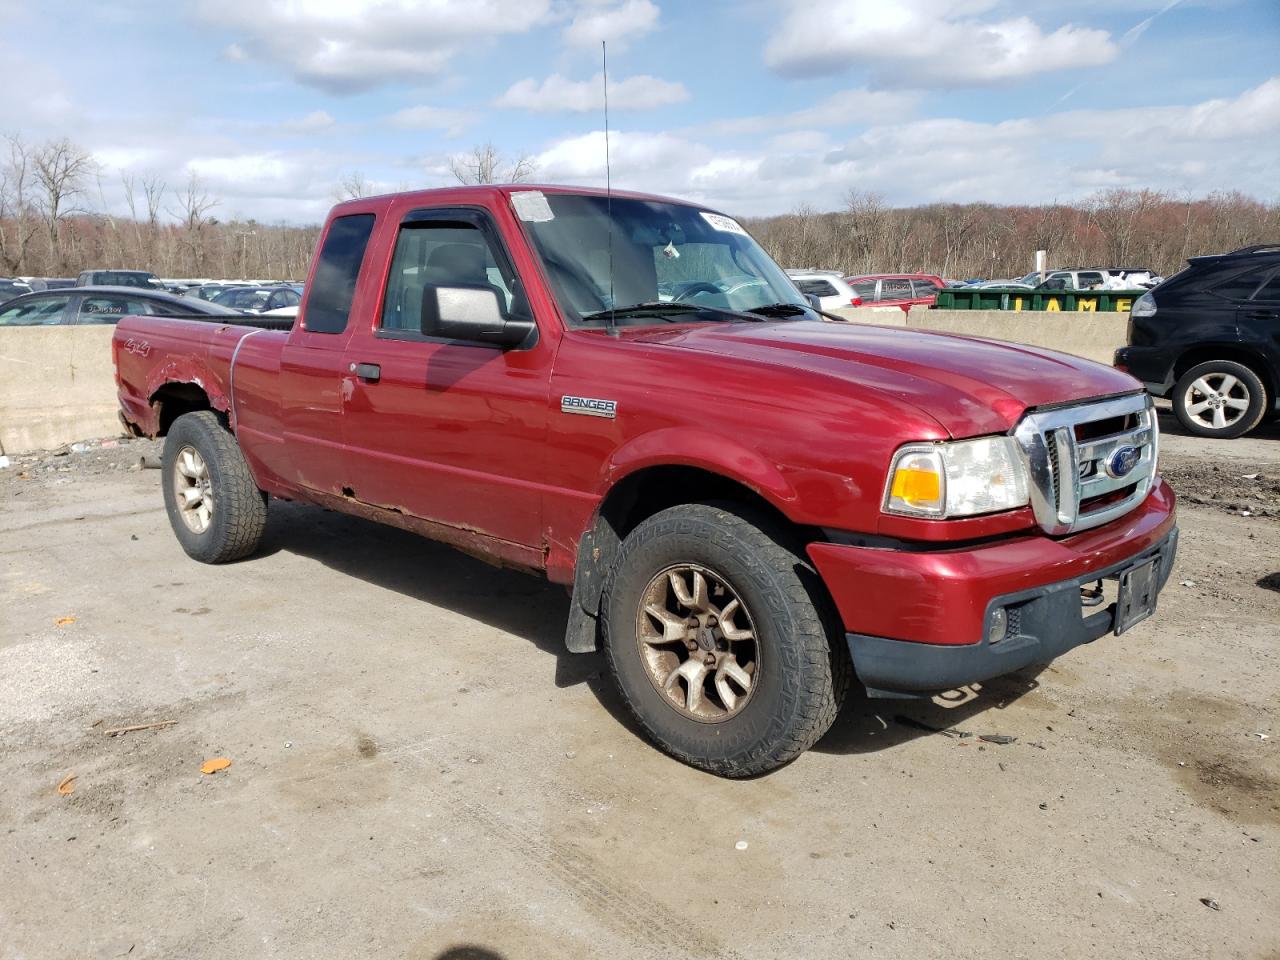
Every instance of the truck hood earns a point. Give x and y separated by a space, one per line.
970 386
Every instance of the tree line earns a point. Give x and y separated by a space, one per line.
54 221
1111 228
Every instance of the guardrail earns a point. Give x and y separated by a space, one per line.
1014 298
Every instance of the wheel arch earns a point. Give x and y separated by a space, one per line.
176 397
646 487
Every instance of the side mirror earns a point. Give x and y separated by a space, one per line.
815 301
474 313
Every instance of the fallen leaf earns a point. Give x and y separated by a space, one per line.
67 786
63 621
214 765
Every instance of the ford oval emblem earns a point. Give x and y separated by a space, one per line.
1122 461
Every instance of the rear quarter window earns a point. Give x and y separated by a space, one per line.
1239 286
816 288
336 274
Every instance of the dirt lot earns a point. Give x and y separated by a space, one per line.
419 771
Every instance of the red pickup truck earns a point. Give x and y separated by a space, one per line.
750 504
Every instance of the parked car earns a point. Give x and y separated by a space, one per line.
258 299
210 291
143 279
49 283
749 502
831 289
12 288
896 289
99 305
1208 338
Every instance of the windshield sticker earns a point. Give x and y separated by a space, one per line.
720 222
531 206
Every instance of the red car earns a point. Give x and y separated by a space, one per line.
749 505
897 289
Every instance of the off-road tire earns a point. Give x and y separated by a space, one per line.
805 668
239 513
1249 380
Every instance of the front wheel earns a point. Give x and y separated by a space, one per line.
216 510
1220 399
721 640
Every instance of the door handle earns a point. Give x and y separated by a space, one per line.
368 372
1262 314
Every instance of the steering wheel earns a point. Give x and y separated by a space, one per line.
700 286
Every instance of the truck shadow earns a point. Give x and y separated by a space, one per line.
393 559
867 726
535 610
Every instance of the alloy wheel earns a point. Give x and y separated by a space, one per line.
698 642
194 489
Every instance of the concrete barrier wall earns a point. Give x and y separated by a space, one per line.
57 385
1094 336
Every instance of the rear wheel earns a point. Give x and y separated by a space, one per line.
721 641
216 510
1220 398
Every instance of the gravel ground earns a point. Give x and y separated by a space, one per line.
419 771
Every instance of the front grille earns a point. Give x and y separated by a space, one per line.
1070 452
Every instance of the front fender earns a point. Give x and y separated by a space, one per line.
702 449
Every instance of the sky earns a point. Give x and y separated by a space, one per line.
755 107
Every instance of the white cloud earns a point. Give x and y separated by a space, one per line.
346 46
313 122
452 122
618 23
1063 156
557 94
842 109
925 42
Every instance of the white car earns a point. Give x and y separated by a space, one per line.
829 286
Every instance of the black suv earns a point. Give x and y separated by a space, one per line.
1208 338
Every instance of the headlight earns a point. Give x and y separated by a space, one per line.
962 478
1144 306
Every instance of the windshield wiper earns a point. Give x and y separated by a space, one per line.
668 310
793 310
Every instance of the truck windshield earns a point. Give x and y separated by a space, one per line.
702 264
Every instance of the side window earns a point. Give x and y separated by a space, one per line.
817 288
1090 280
1239 287
1270 290
866 289
35 313
895 289
337 270
109 309
442 253
925 288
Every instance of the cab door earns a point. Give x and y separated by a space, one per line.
311 362
441 429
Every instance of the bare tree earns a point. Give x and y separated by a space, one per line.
194 204
353 186
61 169
485 165
18 219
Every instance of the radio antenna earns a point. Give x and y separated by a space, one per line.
608 180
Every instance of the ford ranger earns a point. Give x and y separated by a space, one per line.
750 503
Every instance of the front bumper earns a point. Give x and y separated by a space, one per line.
916 620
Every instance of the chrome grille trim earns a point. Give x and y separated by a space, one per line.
1065 474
